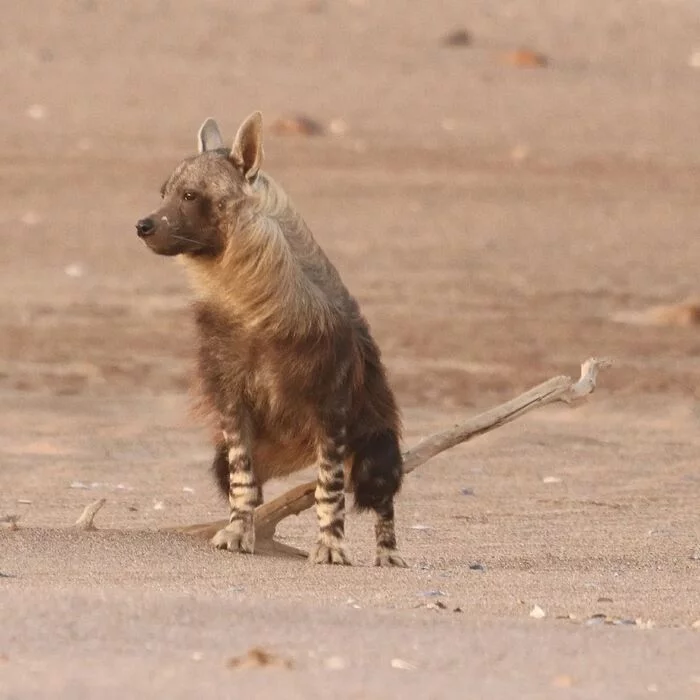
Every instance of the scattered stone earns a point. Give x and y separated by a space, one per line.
525 58
403 665
477 566
420 527
259 658
24 502
466 491
37 112
30 218
78 485
537 613
188 489
683 314
432 594
335 663
4 575
457 38
603 599
158 505
695 556
338 127
301 125
458 610
74 270
597 619
551 480
562 681
437 605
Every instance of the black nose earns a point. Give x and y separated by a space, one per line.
145 227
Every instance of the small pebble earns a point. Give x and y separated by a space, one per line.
335 663
467 491
562 681
300 125
537 613
525 58
551 480
420 527
477 566
402 665
158 505
432 594
457 38
188 489
78 485
30 218
37 112
74 270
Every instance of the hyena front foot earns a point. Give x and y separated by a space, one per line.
237 536
327 551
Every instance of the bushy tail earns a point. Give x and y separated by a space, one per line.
377 470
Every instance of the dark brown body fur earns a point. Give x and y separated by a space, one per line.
288 368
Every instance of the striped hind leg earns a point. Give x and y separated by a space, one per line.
330 502
387 555
244 493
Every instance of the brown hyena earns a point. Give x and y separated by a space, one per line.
287 365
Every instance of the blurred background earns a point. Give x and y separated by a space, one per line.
507 187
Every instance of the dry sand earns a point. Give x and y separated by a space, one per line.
494 222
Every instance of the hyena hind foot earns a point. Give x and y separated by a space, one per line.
389 557
237 536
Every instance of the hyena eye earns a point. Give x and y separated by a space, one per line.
189 196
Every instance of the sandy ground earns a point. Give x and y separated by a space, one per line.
494 222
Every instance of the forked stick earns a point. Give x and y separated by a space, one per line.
300 498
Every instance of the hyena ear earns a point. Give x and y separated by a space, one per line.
247 151
209 136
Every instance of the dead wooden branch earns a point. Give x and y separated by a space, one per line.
85 521
300 498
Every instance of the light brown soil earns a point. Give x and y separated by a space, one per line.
498 224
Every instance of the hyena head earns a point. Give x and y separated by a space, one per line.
195 214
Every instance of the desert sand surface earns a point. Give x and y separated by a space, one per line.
498 222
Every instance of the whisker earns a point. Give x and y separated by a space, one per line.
190 240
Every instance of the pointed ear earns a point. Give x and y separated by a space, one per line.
209 137
247 151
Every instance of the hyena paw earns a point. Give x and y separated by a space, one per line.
237 536
389 557
328 553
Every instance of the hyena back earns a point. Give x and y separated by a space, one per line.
287 367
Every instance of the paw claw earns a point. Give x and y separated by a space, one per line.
236 537
324 553
390 558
